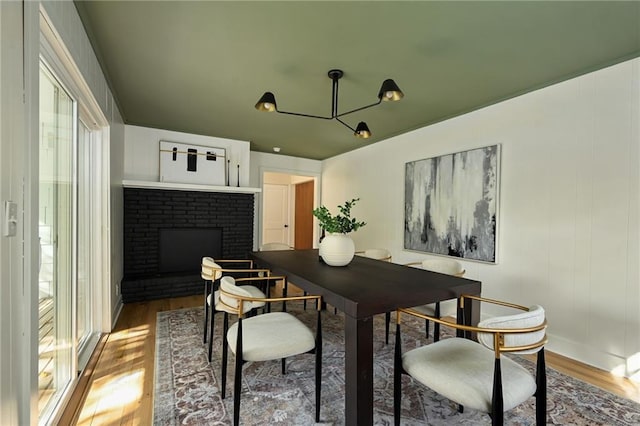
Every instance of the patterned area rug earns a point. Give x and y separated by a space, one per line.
187 387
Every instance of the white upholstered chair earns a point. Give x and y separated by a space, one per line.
475 374
211 271
376 253
439 309
270 336
276 247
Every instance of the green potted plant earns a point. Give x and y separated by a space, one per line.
337 248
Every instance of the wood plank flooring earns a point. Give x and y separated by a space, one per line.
46 344
120 389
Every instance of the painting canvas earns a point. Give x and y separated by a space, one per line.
186 163
451 204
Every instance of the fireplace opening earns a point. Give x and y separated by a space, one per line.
181 249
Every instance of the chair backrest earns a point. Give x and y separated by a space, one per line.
535 316
444 266
377 253
210 269
274 247
228 302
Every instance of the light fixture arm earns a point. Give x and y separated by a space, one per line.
344 124
299 114
360 109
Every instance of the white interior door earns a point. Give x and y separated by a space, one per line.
276 214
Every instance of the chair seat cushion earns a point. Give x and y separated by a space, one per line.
271 336
462 371
252 290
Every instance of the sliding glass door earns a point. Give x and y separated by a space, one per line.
68 329
56 231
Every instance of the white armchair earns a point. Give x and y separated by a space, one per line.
270 336
439 309
376 253
475 374
211 272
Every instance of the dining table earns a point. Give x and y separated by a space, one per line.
363 288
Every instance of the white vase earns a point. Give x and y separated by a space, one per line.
337 249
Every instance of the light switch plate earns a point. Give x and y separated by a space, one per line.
10 219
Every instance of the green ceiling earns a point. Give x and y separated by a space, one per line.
199 67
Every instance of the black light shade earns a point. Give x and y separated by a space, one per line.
362 130
390 91
267 102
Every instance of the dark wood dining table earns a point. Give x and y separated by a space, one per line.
362 289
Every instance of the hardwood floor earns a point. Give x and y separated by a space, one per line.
120 389
120 386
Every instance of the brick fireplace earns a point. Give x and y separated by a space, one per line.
188 220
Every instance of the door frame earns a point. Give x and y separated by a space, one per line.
257 232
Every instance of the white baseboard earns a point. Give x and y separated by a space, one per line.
116 312
588 355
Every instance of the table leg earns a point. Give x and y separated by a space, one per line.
358 367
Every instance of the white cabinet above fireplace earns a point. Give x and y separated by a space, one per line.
171 186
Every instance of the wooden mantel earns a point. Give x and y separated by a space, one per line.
172 186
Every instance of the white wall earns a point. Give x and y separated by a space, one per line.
116 223
569 207
142 152
16 316
264 162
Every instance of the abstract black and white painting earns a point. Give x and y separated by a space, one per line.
451 204
186 163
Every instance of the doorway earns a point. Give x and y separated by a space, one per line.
287 204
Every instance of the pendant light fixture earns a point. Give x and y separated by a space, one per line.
389 92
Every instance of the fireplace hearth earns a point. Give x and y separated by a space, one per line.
166 233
